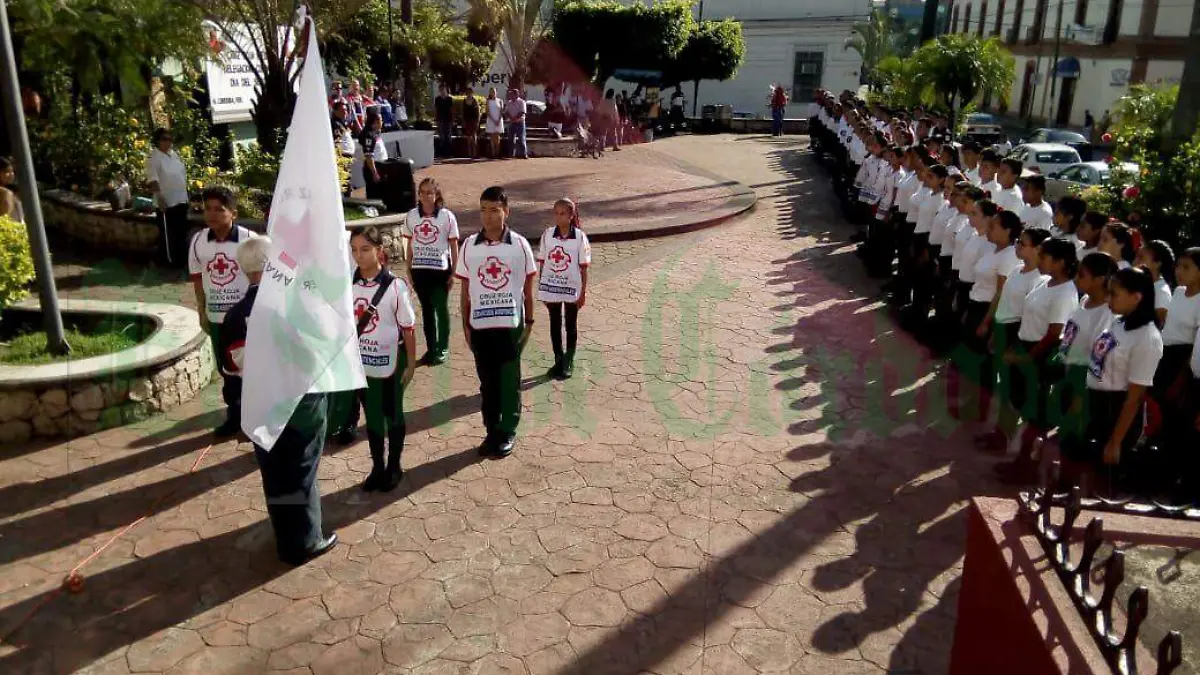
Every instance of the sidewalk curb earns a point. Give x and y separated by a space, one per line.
741 201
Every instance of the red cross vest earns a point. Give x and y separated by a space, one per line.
560 264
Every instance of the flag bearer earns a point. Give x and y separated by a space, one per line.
497 267
564 256
219 282
431 232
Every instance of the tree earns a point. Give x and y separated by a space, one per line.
272 51
955 70
875 40
714 51
519 25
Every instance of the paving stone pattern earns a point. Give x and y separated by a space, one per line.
750 473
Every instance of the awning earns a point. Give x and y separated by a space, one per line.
1067 67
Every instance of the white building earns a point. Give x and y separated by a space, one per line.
1103 46
797 43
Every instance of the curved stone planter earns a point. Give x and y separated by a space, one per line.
96 224
80 397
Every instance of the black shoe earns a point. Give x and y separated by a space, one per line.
322 547
556 371
346 436
228 429
426 359
568 366
488 447
391 479
436 358
504 448
375 480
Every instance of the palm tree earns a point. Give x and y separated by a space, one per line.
874 40
520 24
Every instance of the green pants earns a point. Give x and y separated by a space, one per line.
498 365
433 296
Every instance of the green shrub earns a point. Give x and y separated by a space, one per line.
16 261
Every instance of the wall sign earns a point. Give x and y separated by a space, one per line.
1119 77
230 78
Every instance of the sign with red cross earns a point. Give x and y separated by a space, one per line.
559 259
221 270
360 306
494 274
427 232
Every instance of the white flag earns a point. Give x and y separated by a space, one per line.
301 336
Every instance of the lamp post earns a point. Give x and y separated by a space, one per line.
696 83
14 115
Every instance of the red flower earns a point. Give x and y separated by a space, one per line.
1132 192
1107 138
1108 159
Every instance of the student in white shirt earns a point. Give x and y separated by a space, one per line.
1008 196
1157 257
431 238
970 159
1067 217
563 256
1007 325
881 236
497 267
994 267
388 346
1089 232
219 283
1036 213
976 363
923 257
1118 240
964 194
989 165
167 177
1179 330
961 272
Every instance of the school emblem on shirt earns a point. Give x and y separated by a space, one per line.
360 306
1104 346
221 270
559 259
1070 332
494 274
427 232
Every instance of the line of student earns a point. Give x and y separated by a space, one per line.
1062 312
496 268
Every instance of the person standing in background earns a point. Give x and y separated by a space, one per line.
470 114
779 101
371 145
357 107
515 111
443 112
495 121
10 201
610 121
168 179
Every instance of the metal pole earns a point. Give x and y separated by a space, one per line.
391 46
14 115
696 84
1054 65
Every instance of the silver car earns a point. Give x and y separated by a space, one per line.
1080 176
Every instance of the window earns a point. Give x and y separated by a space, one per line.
1016 27
967 20
954 20
806 78
982 17
1112 25
1039 22
1081 8
1057 157
999 19
1075 174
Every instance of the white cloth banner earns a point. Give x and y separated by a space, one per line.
301 336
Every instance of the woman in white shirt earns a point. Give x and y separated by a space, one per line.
923 257
494 125
1118 240
564 256
1179 330
431 236
1157 257
976 363
1121 369
168 179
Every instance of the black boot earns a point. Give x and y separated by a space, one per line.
556 370
568 365
394 473
376 479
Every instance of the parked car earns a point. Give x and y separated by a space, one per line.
983 128
1080 176
1045 158
1065 136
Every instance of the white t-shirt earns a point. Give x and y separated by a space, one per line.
379 344
1162 294
560 265
1047 305
1040 217
215 264
941 219
1074 239
991 187
1012 296
914 204
885 188
1081 330
432 237
905 186
972 176
950 239
1183 319
928 211
989 268
965 252
1122 357
495 273
1085 250
1009 199
167 169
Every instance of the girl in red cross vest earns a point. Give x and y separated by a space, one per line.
564 255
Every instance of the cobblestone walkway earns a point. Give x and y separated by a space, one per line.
748 474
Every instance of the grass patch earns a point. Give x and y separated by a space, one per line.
29 348
354 213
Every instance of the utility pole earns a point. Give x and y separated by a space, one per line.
14 114
696 84
1054 63
1187 106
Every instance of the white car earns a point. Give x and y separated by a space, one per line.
1083 175
1045 158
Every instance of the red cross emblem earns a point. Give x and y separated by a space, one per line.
494 274
560 260
360 306
427 232
221 270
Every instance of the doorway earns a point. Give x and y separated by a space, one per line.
1066 97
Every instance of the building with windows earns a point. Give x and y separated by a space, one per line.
1075 56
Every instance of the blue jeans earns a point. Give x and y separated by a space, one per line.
516 140
777 121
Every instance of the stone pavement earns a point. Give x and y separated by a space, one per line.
751 472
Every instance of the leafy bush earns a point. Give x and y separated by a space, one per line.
16 261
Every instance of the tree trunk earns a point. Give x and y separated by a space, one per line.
1187 106
273 110
406 17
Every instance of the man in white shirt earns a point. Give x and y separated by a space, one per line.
515 111
1037 214
168 179
219 283
497 267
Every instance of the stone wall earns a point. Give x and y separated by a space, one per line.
81 407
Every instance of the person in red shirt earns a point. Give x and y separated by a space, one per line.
779 101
